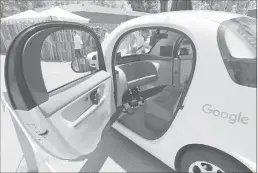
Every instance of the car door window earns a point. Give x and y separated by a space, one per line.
59 50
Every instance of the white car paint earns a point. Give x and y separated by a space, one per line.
201 27
192 125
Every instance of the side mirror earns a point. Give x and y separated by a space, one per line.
82 65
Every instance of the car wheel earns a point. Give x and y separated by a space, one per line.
203 160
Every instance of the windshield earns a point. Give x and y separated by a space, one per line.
237 43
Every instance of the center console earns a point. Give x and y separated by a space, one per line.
132 99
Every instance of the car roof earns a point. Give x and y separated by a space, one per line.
216 16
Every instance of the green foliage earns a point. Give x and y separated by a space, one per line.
148 6
234 6
122 4
177 5
11 7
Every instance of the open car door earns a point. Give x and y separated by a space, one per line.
69 122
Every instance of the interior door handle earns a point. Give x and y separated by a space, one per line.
43 133
88 113
95 96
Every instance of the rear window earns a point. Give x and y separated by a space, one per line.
238 46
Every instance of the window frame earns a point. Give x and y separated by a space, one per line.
225 52
114 61
222 43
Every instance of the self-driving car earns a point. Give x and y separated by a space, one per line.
189 98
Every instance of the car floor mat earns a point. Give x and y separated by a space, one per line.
153 119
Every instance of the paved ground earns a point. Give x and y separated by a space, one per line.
115 153
126 154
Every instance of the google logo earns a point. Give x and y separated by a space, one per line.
232 118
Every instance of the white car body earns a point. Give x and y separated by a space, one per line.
210 131
209 92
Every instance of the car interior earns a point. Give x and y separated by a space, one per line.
149 85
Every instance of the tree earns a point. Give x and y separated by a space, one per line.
137 5
152 6
181 5
8 8
50 3
122 4
11 7
148 6
235 6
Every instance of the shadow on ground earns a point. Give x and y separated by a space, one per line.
125 153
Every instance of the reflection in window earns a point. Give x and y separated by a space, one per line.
136 43
59 50
236 46
237 41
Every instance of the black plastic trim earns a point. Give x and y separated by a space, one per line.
224 50
187 86
22 91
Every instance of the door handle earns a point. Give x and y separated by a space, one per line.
43 133
95 96
88 113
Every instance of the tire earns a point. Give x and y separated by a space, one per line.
209 160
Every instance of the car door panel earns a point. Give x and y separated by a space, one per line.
35 123
58 101
74 110
69 122
88 125
71 134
